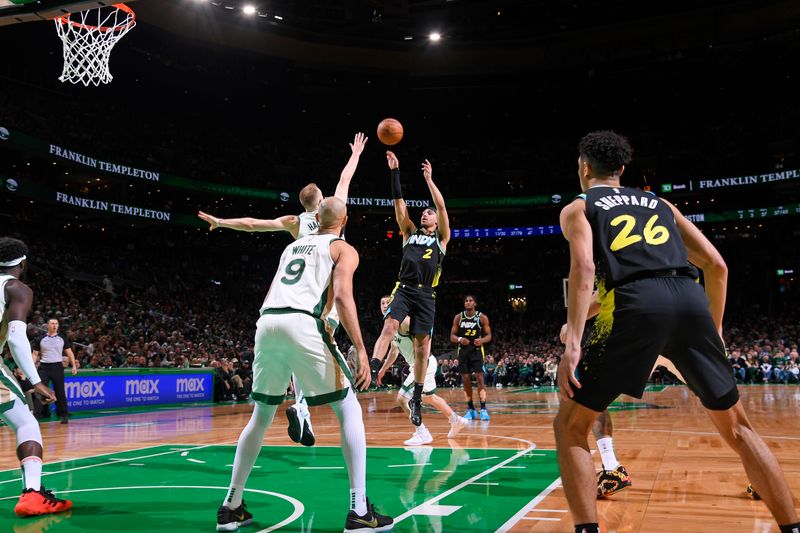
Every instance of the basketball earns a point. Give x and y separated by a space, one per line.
390 131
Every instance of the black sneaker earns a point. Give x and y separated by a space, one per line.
232 519
415 406
300 426
366 523
752 492
612 481
65 419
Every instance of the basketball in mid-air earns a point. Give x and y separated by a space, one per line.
390 131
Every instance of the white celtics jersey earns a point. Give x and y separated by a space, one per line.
4 278
308 224
303 280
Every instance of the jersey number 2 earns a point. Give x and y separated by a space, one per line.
293 271
653 234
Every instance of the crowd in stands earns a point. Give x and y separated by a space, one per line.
171 301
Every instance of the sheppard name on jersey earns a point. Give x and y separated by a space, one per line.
306 249
607 202
423 240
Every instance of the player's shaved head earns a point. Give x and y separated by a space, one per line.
332 212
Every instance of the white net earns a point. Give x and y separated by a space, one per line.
88 38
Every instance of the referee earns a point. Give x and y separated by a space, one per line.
51 348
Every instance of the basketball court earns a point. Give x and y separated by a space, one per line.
167 468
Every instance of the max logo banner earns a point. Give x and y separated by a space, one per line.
190 385
86 389
141 386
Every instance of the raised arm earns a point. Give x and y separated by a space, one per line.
400 210
438 200
343 187
345 260
290 223
703 254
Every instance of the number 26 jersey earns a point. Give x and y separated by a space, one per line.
634 232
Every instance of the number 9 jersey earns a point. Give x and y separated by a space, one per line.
303 280
634 234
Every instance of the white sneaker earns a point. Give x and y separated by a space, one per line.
456 426
419 438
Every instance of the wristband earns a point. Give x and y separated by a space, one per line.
397 187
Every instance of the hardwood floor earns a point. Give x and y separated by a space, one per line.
684 477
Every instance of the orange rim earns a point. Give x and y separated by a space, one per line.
122 7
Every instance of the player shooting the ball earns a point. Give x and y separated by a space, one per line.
414 293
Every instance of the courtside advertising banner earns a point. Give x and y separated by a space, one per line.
131 390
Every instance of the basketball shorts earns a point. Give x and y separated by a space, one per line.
333 319
640 320
470 359
429 387
293 342
417 302
9 388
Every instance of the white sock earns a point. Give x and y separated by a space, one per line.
247 450
421 428
32 472
454 417
354 449
606 447
358 500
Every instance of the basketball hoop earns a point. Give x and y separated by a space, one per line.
88 42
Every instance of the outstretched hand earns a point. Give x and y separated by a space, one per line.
394 163
427 170
357 146
213 222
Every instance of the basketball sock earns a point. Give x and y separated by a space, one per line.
454 417
358 500
31 472
483 405
606 447
354 449
791 528
247 450
587 528
471 405
418 391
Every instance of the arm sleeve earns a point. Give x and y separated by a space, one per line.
21 350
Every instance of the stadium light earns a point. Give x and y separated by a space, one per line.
249 10
435 36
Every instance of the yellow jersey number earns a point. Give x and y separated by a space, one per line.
653 235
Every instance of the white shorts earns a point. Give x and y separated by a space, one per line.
296 343
429 387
